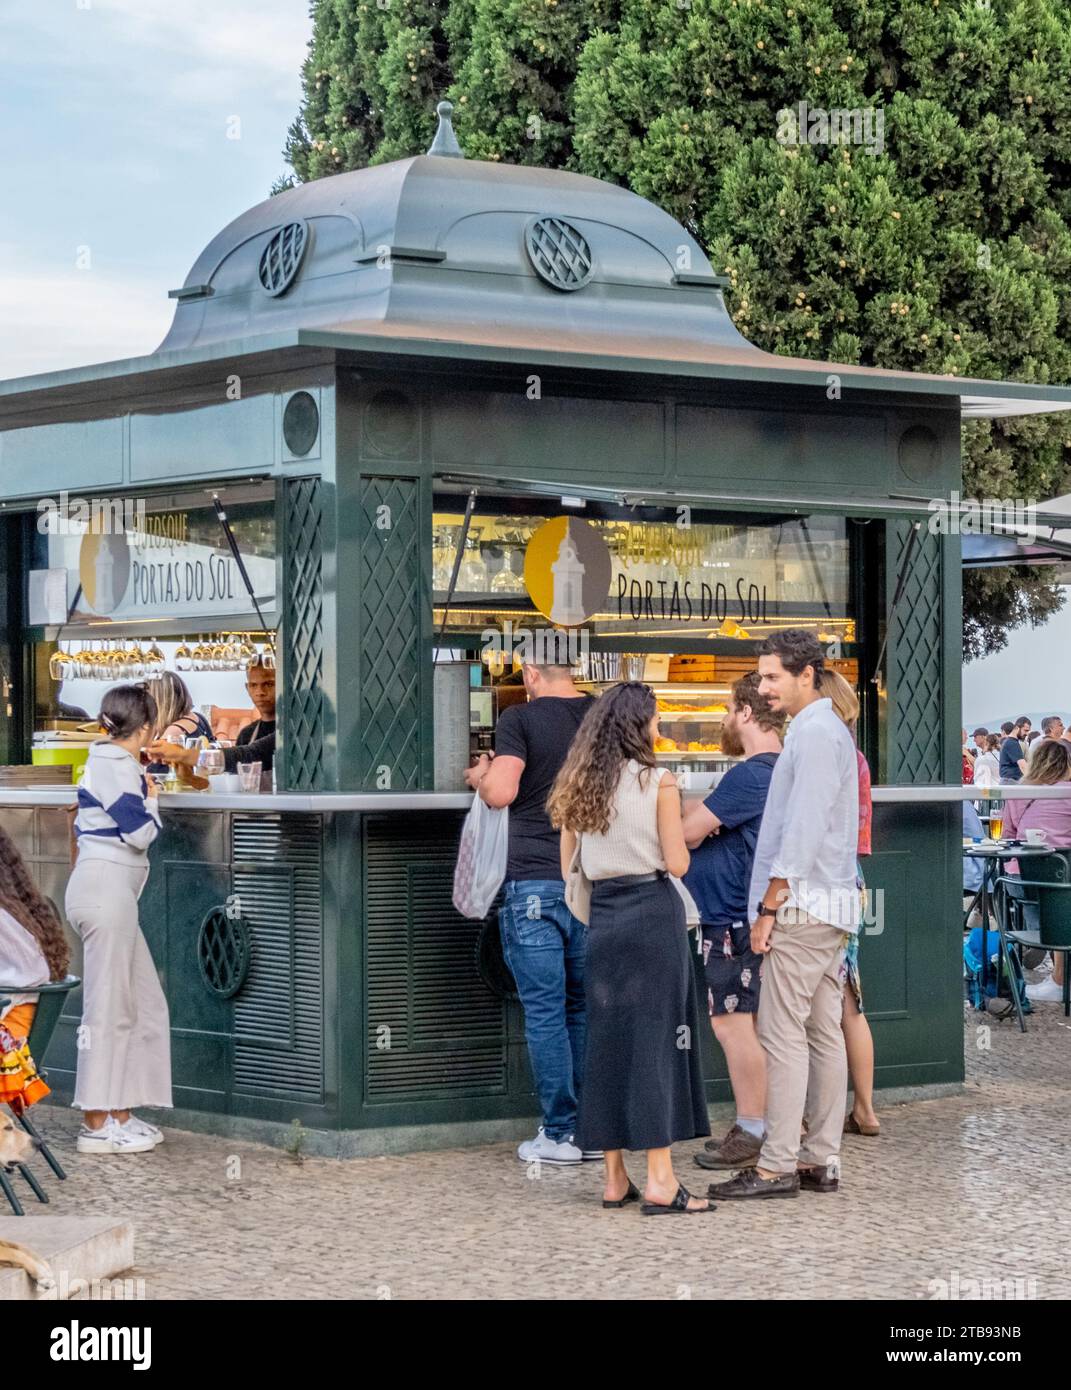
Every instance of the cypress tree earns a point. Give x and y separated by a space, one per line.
945 246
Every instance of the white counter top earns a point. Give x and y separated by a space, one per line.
456 801
261 801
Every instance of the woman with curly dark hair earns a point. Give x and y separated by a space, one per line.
33 951
620 817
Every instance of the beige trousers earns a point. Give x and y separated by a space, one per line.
799 1026
124 1041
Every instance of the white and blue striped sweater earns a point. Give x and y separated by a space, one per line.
116 819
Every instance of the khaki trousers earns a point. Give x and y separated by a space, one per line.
799 1026
124 1041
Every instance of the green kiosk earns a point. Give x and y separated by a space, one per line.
390 380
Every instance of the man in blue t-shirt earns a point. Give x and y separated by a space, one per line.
721 833
1013 752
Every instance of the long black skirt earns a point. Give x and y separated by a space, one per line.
643 1085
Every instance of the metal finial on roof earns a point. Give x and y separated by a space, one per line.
445 142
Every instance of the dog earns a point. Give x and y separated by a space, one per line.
16 1146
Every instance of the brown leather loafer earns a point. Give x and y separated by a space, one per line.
749 1184
817 1180
853 1126
737 1150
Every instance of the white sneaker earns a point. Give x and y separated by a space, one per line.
136 1125
542 1149
112 1138
1045 992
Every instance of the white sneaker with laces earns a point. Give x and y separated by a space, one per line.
136 1125
112 1138
1045 992
543 1149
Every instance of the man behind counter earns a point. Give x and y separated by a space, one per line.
255 742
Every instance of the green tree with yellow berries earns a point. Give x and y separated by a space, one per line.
944 247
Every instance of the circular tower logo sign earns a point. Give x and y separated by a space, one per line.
567 570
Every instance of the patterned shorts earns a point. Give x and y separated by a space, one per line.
733 970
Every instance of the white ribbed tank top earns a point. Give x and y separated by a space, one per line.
631 844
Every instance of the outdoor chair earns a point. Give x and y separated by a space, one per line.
50 1000
1046 895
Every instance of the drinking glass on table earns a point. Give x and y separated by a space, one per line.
249 777
996 825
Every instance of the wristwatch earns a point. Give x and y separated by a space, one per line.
762 910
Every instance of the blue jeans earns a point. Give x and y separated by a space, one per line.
544 948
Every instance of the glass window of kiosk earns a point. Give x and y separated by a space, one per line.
678 596
121 588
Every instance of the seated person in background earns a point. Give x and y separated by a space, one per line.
255 743
972 868
33 951
1050 764
177 718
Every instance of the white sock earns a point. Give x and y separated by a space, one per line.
750 1124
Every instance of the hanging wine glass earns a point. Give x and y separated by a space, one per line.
246 652
183 657
472 578
59 665
155 661
267 657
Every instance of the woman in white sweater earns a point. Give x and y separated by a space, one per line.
124 1042
642 1086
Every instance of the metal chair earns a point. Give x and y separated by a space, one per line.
50 1001
1048 892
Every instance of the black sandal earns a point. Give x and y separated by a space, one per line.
632 1195
678 1207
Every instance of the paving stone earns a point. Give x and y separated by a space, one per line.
956 1188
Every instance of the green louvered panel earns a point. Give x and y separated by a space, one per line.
303 727
391 624
278 1012
915 661
446 1030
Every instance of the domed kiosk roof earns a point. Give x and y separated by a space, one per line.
444 243
469 261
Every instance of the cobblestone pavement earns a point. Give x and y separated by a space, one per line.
956 1189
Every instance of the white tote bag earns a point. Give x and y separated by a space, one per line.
481 858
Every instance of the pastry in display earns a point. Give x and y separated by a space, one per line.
698 669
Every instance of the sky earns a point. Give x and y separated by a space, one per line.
119 161
1032 675
134 130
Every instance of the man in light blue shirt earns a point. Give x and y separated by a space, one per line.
804 899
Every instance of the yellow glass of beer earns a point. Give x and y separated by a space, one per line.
996 825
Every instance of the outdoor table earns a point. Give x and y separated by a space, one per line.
993 855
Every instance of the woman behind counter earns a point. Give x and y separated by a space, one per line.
124 1042
642 1086
176 718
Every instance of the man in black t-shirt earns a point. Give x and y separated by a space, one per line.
542 941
